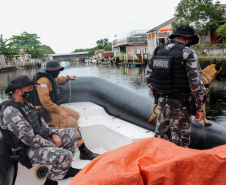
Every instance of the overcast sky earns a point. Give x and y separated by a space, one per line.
66 25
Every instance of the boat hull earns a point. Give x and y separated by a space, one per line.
121 103
136 109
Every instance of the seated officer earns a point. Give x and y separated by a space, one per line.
31 140
47 98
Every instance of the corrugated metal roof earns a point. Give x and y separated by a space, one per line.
161 25
65 54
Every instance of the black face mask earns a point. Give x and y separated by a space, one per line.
27 95
54 74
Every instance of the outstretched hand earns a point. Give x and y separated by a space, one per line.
198 116
72 77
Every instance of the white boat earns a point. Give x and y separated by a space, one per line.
111 117
88 60
96 61
101 132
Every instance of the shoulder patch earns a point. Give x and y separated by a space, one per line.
43 85
16 119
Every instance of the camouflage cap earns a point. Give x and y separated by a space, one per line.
19 82
53 66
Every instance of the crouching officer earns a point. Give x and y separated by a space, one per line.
48 97
31 140
174 73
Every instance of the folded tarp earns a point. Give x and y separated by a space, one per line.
155 161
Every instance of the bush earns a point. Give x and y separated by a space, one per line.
221 32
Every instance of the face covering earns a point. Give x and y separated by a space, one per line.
54 74
27 95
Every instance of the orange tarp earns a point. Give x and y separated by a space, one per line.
155 161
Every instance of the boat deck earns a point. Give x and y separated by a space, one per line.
101 132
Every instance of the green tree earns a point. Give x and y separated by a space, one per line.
47 50
28 42
102 43
221 32
203 14
7 49
108 47
89 50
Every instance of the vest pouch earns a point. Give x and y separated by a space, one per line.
44 113
162 73
24 159
59 96
14 157
161 66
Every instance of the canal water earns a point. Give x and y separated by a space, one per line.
129 78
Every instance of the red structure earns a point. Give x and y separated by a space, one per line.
108 54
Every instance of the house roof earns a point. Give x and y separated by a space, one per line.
161 25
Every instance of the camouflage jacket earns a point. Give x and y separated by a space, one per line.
194 74
14 121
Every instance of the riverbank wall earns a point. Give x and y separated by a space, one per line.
211 53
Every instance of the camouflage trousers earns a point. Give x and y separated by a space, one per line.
173 121
60 158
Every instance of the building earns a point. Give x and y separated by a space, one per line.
155 37
134 47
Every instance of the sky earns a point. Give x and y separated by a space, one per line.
66 25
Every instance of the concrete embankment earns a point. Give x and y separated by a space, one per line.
211 53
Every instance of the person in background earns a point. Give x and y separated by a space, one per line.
30 138
47 99
174 76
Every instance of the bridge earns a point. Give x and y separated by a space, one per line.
73 56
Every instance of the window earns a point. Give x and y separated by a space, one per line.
161 41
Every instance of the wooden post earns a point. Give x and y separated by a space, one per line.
142 55
133 56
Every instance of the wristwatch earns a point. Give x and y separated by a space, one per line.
54 132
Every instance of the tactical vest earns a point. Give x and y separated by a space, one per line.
168 70
55 94
29 113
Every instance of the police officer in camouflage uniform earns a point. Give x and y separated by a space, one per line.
24 131
48 98
174 76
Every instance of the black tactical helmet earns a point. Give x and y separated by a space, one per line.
53 66
185 31
19 82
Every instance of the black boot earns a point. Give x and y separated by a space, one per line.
50 182
71 172
86 154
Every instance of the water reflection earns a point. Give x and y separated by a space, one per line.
130 78
7 76
216 101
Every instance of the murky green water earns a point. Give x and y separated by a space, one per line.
130 78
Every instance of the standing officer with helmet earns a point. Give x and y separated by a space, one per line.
47 98
174 75
31 140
